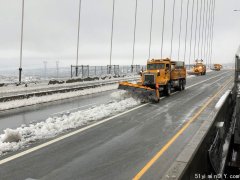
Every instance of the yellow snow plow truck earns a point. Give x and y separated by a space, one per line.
161 76
217 67
198 69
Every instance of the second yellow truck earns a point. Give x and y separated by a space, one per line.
217 67
198 69
161 76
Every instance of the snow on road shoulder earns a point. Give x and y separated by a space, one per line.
222 99
13 140
54 97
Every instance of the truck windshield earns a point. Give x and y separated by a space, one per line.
155 66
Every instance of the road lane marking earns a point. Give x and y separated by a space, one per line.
173 139
205 80
80 130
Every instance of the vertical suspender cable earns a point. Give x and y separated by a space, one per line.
21 46
213 15
174 2
134 33
186 33
163 24
150 40
195 40
210 30
207 34
79 21
113 11
199 32
205 41
180 30
204 21
190 44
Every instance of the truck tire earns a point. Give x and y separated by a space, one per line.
183 84
180 85
168 89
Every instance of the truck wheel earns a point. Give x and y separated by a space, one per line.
183 84
168 89
180 85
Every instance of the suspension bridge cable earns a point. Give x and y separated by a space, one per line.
163 24
174 2
150 40
78 34
190 43
200 28
196 27
203 29
214 7
21 45
207 32
211 29
208 35
134 32
113 12
186 32
180 30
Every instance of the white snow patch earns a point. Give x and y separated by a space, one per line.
54 97
120 95
190 76
11 136
222 99
209 70
56 125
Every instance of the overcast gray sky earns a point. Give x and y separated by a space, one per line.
50 31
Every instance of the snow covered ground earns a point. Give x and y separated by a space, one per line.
54 97
15 139
222 99
45 86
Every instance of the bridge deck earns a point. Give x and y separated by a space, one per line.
121 147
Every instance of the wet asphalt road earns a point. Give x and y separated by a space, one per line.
119 148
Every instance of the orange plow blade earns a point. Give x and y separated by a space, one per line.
139 91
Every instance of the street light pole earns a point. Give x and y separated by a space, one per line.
21 47
79 21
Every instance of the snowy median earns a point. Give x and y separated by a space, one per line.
54 97
15 139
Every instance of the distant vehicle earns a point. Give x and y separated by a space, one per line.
198 69
162 75
217 67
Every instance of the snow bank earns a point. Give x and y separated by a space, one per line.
209 70
54 97
190 76
11 136
222 99
120 95
44 85
21 137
